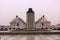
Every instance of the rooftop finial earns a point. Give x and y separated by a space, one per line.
43 16
16 16
30 10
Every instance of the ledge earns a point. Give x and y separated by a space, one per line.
29 32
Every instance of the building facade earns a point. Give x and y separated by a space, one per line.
18 23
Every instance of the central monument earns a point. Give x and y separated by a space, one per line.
30 18
30 22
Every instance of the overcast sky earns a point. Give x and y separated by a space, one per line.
10 8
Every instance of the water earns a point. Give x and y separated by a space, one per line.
30 37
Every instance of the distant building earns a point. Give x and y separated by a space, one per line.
42 22
18 23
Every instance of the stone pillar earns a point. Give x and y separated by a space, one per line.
30 18
30 22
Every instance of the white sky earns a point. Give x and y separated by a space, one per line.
10 8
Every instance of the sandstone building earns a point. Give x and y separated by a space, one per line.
18 23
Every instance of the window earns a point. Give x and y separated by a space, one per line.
13 28
6 29
17 24
10 28
42 24
2 29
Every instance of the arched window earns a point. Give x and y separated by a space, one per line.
10 28
18 29
42 24
13 28
2 29
46 28
5 29
17 24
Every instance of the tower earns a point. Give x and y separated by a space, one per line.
30 18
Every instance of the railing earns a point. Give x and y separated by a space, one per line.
26 31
